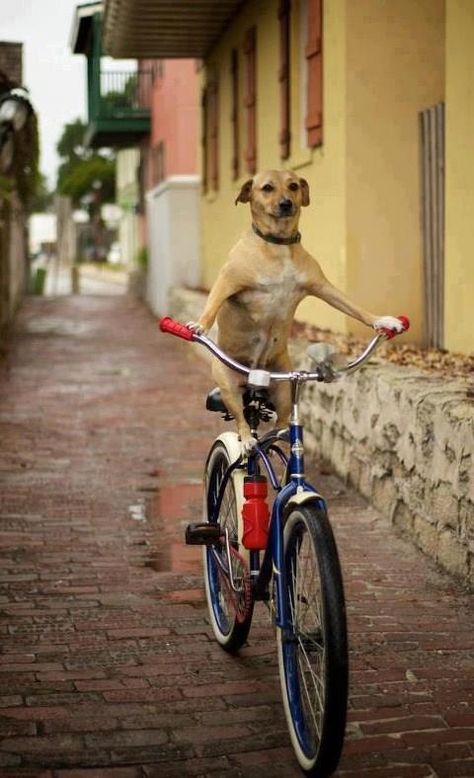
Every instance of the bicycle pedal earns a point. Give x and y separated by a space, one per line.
205 534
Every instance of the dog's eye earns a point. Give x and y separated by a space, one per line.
268 188
293 186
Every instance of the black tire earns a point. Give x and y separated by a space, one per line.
312 655
230 613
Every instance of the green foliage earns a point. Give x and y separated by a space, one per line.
70 145
83 171
84 177
6 188
43 198
120 100
141 257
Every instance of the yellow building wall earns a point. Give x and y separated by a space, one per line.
383 62
394 69
322 223
459 245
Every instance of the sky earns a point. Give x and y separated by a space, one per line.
54 76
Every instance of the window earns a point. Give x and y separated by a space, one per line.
284 77
234 115
204 164
213 118
210 137
250 99
314 95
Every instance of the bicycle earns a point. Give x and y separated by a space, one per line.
299 574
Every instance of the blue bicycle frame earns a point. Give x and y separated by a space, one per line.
296 485
296 491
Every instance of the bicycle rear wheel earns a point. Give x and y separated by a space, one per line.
230 611
312 654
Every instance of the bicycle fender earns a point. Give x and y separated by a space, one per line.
232 443
230 440
301 498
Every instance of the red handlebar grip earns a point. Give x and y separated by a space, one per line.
389 334
405 322
167 324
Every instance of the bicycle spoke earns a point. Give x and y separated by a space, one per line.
228 590
310 703
317 680
305 615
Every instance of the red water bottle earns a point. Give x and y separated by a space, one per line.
255 512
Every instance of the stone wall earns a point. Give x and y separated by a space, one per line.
403 438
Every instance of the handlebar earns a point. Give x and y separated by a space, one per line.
263 377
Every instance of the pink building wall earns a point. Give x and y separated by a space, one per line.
174 121
172 146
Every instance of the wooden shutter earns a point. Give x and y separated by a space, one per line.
250 99
314 117
284 77
204 139
234 116
213 110
432 136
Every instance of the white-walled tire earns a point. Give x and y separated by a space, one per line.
312 654
230 613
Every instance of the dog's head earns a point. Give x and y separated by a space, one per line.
276 198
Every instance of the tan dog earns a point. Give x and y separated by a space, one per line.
255 296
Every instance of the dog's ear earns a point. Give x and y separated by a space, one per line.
304 191
245 192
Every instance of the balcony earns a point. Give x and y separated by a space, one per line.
119 108
118 100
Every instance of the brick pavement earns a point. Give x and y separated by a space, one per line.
107 666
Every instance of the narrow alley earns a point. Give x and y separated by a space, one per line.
107 664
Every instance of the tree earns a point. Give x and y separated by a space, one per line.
95 173
71 143
43 198
82 170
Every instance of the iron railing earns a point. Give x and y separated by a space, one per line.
125 94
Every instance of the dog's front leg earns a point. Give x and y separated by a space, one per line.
224 287
231 394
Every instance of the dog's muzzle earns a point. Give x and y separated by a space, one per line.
285 207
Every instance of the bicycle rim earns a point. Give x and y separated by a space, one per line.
230 611
313 652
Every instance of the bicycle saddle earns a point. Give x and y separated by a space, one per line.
254 400
214 401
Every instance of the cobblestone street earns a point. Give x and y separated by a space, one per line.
107 664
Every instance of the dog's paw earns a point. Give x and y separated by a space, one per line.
196 327
247 444
388 323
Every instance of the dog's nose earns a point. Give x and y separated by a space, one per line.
285 204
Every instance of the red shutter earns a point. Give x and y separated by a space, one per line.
284 78
213 110
234 116
204 142
314 118
250 99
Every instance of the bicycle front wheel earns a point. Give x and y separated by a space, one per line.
312 653
230 603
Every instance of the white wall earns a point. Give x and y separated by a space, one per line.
128 161
173 216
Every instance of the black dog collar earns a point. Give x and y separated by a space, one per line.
275 239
